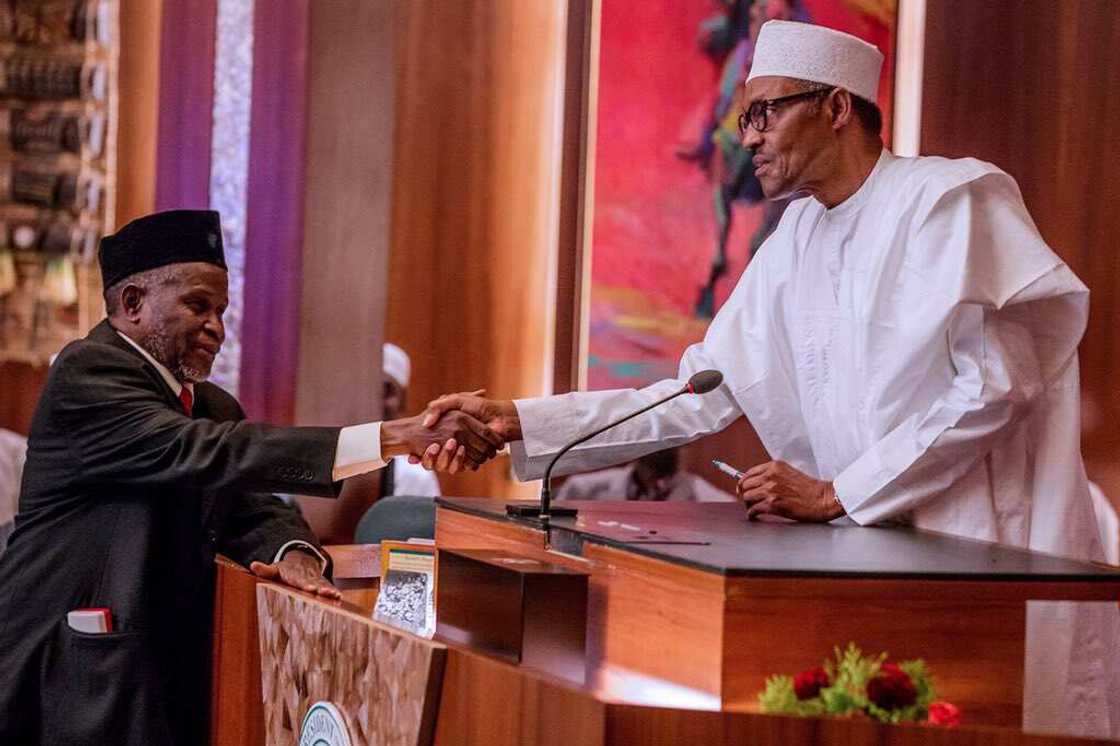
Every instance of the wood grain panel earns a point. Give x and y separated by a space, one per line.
667 727
346 211
236 705
355 560
974 648
19 394
1030 88
486 702
138 109
475 198
384 681
655 618
643 616
948 591
456 530
357 573
489 703
576 150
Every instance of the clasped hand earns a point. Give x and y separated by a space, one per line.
461 440
497 417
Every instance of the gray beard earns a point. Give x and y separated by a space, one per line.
157 343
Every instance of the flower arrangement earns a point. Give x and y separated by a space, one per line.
858 685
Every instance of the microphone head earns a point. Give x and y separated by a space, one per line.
704 381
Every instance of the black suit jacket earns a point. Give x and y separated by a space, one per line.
125 501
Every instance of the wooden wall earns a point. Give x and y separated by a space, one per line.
138 113
1031 86
475 200
347 193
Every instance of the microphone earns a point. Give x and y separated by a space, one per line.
699 383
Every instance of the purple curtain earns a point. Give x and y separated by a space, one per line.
186 102
274 226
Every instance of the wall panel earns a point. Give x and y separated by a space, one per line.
346 211
475 200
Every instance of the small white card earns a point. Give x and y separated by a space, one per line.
90 621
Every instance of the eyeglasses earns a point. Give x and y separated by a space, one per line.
756 115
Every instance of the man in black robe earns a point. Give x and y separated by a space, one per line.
138 473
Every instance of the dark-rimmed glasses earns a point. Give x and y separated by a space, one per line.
757 114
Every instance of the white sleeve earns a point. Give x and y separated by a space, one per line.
1013 332
413 480
358 451
737 344
549 423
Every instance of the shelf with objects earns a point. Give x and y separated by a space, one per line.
58 103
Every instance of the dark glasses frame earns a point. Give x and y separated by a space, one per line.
757 114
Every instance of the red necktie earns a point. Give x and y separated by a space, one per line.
187 400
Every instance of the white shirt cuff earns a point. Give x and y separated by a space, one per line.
358 451
300 544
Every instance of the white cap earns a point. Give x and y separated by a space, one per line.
395 363
822 55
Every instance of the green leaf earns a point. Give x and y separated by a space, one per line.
923 681
849 671
779 696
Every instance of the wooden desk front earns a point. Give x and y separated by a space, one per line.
706 617
489 702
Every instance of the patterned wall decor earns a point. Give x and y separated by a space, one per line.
385 682
58 84
229 165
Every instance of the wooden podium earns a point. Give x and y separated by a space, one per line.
694 596
688 608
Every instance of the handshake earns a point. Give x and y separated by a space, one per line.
456 432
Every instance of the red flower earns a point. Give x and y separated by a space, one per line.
892 688
944 713
808 684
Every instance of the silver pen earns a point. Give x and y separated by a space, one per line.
727 469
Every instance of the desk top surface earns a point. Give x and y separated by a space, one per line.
717 538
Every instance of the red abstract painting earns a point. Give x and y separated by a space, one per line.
674 194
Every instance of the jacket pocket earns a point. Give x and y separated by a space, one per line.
103 688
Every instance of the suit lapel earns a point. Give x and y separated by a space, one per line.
106 334
208 499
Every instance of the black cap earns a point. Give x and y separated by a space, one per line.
159 239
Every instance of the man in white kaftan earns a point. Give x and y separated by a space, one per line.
905 345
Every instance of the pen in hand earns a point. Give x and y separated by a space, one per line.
727 469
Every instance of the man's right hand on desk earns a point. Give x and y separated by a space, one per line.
460 440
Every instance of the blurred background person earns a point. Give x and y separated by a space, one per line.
655 476
400 477
13 452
